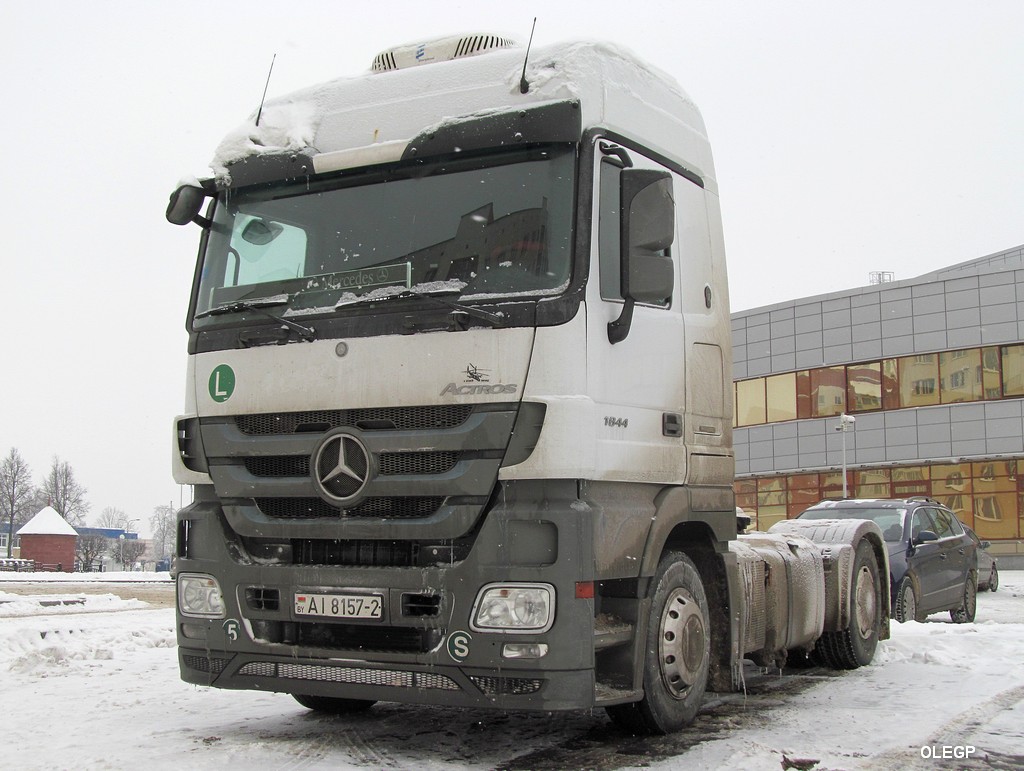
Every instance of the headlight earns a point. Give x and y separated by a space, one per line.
528 608
199 595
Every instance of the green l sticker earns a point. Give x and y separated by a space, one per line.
222 383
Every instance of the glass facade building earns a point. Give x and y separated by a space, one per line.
932 368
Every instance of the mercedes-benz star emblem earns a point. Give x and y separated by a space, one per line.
341 467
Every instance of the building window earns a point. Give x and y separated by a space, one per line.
750 402
1013 370
923 387
828 391
781 397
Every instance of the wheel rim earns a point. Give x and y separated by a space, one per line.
865 603
909 604
682 642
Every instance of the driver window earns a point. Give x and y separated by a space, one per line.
922 521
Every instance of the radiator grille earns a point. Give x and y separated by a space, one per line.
414 507
371 419
391 463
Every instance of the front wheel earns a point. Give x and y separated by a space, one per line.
993 580
677 652
969 605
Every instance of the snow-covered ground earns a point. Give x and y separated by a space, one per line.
95 685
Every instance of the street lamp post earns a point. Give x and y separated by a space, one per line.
845 424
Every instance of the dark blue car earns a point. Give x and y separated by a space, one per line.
933 561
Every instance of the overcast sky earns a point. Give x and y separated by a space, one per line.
848 137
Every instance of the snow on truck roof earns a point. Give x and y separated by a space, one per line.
382 110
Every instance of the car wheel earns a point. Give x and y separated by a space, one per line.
993 580
969 605
677 652
855 646
331 705
906 602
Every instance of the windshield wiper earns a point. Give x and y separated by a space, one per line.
459 311
260 306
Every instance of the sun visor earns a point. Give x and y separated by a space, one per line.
546 123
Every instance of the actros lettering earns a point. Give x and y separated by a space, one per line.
484 388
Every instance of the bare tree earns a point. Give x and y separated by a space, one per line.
65 493
115 518
88 547
163 523
128 550
16 493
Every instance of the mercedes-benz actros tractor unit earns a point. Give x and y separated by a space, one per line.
459 403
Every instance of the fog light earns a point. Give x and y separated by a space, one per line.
526 608
199 595
524 650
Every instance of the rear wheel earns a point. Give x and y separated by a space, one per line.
969 605
855 645
677 652
906 602
331 705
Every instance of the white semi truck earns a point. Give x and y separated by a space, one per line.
459 404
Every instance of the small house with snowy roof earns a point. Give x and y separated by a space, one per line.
49 540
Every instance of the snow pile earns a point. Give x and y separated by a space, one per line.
15 606
48 645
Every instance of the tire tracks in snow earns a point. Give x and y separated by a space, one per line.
957 733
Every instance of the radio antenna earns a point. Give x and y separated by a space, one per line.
259 113
523 85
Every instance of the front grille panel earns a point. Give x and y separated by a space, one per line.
204 664
507 686
333 674
391 463
369 419
413 507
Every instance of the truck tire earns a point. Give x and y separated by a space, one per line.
905 602
969 605
331 705
855 645
677 652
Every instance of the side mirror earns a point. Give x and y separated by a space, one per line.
924 537
185 204
647 229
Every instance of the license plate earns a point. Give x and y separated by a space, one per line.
339 605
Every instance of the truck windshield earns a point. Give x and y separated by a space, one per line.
485 229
